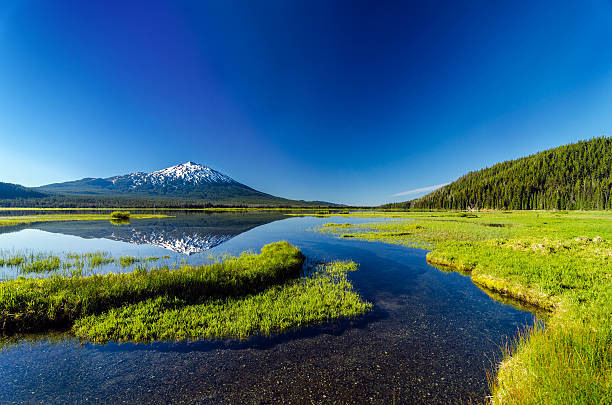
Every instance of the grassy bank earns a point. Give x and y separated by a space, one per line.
559 261
199 301
18 220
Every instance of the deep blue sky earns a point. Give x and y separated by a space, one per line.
341 101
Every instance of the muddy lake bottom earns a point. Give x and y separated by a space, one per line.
431 337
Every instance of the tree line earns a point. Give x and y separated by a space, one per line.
574 176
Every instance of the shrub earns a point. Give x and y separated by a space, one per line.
119 215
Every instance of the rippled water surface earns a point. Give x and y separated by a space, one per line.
431 337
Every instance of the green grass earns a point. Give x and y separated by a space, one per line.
18 220
33 304
42 265
146 300
560 261
12 260
30 262
325 295
92 260
120 215
127 261
64 264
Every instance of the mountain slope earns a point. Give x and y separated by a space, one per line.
574 176
188 182
11 191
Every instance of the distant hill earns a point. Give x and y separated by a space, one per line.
10 191
574 176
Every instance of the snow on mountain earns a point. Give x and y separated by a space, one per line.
189 173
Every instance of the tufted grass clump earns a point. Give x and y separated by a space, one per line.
127 261
42 265
120 215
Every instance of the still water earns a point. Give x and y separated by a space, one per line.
431 337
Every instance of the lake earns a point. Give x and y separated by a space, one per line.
431 337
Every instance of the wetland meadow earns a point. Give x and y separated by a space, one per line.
363 306
243 306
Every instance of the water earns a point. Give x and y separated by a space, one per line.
431 337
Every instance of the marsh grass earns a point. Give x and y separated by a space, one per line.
28 262
12 260
120 215
92 260
232 297
326 294
561 364
28 219
127 261
66 264
41 265
558 261
28 304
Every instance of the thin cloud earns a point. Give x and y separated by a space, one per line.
421 190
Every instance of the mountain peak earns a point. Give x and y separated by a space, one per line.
188 173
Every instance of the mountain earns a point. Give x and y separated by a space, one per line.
13 191
186 184
574 176
184 179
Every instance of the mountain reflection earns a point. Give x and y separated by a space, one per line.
185 233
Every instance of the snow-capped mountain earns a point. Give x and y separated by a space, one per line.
189 182
185 174
186 184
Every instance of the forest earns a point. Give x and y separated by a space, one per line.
574 176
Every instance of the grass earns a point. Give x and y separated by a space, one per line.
67 263
141 304
325 295
559 261
120 215
30 262
42 265
127 261
18 220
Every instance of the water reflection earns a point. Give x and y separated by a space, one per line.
183 233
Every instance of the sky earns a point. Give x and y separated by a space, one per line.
356 102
